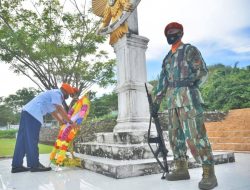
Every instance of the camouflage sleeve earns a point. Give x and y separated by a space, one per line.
161 86
198 66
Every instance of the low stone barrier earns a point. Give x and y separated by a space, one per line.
48 135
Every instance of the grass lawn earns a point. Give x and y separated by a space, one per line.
7 147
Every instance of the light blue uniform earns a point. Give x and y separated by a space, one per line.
44 103
30 124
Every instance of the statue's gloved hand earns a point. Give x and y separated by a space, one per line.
154 108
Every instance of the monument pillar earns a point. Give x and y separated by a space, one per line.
133 109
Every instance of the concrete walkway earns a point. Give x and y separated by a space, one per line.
231 176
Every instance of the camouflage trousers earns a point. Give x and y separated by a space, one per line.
186 124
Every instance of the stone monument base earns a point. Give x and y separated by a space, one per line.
131 168
127 154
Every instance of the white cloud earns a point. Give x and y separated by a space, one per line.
11 82
206 20
244 48
100 91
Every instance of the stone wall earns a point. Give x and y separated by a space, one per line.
214 116
49 135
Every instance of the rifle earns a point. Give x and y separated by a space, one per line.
159 140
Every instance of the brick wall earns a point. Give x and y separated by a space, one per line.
231 134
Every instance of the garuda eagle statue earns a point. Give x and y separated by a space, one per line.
114 15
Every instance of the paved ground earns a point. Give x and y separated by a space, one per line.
231 176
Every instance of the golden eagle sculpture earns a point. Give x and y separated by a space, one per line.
114 15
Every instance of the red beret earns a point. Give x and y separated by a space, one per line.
68 88
171 25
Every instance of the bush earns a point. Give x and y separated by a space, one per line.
8 133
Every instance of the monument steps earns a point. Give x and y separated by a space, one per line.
122 160
136 137
229 139
231 134
222 126
231 146
115 151
131 168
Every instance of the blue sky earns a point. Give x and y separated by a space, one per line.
220 29
225 56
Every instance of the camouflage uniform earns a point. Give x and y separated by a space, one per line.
182 73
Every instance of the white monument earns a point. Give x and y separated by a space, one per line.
129 47
133 109
125 152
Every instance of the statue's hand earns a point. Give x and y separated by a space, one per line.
128 7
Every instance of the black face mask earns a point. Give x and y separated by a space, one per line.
172 38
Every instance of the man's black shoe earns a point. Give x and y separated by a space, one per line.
19 169
40 168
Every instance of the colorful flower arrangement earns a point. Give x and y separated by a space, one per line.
78 113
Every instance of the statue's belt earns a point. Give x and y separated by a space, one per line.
184 83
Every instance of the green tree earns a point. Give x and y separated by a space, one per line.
22 97
104 105
6 114
227 88
50 44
